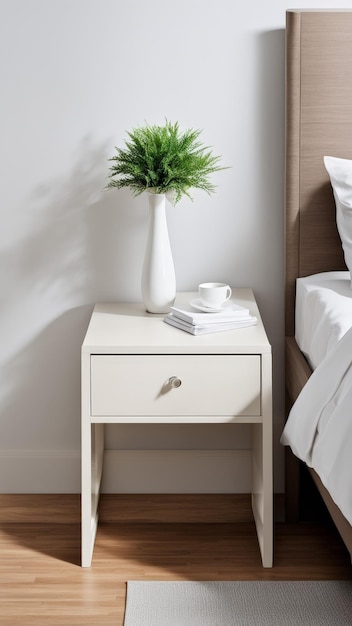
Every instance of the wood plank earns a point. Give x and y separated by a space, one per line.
41 582
65 508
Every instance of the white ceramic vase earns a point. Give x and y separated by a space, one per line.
158 275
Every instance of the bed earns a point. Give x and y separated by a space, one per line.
318 123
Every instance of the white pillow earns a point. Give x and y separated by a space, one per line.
340 172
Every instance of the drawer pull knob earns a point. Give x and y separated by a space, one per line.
175 382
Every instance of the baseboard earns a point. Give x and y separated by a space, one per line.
40 471
177 471
128 471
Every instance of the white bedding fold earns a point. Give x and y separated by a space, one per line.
319 427
323 313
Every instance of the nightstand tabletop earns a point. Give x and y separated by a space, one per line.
126 328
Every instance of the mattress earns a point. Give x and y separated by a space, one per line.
323 313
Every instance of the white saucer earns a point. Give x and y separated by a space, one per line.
197 304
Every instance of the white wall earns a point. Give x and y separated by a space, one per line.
75 75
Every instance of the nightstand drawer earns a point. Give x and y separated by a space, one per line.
210 385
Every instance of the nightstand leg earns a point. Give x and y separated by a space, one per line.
92 466
92 455
262 469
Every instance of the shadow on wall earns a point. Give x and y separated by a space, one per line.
265 221
77 236
41 388
269 253
72 244
271 135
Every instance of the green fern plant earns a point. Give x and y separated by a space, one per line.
161 159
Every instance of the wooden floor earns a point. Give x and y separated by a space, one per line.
42 583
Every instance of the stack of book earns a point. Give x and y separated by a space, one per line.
232 317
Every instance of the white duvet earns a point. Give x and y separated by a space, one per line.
319 426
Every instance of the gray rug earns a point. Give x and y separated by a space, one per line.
254 603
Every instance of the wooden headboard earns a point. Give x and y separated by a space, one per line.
318 123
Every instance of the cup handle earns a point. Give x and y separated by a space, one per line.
229 293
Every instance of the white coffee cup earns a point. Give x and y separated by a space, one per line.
214 295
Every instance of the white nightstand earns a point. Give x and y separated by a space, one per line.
128 359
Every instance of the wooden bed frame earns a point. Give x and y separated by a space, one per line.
318 123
